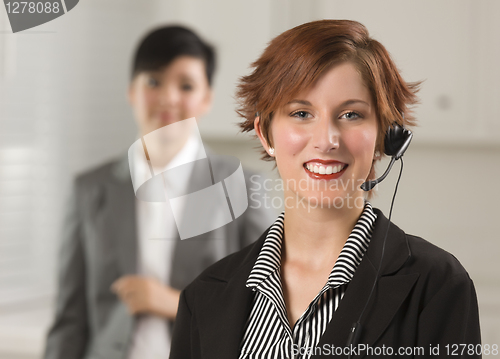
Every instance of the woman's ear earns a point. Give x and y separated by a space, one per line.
263 141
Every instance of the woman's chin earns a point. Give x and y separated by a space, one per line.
330 201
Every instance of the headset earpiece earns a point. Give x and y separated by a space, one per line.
396 141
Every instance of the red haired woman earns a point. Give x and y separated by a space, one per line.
320 99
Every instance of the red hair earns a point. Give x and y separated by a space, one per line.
294 60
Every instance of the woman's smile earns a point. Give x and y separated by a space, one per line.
324 169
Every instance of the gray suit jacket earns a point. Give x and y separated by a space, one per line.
100 245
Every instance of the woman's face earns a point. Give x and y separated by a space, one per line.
324 140
175 93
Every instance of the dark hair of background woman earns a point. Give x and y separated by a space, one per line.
162 45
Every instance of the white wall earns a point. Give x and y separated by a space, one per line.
63 109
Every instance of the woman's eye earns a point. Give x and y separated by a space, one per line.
301 114
152 82
186 87
350 115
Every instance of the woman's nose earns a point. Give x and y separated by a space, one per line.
169 95
326 135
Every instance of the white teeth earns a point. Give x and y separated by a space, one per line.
324 170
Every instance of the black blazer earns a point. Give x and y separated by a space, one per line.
424 298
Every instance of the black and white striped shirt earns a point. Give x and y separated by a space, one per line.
268 333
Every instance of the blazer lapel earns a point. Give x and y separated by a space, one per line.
121 199
192 255
204 173
389 293
189 257
228 296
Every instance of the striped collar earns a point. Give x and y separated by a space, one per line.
269 259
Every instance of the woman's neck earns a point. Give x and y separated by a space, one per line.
164 152
315 236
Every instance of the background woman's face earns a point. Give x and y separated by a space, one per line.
325 139
175 93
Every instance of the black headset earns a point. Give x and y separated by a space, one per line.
396 141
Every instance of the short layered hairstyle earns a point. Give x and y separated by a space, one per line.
296 59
